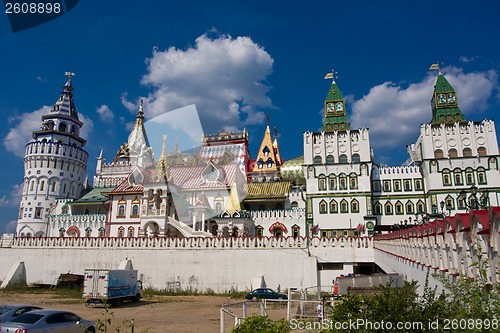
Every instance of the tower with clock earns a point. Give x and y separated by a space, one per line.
335 114
444 103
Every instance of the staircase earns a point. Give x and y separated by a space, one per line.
186 230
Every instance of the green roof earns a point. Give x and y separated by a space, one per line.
96 195
335 119
445 108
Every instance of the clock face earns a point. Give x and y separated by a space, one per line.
330 107
441 99
339 106
451 98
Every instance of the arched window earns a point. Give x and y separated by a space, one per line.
344 207
259 231
409 208
388 208
420 207
322 207
321 183
354 206
330 159
317 160
121 232
449 203
452 153
467 152
377 208
481 176
101 232
74 130
438 153
121 211
135 211
295 231
469 176
333 207
64 209
399 208
218 207
457 175
446 177
343 158
88 232
295 204
130 232
353 181
355 158
481 151
332 182
62 127
342 182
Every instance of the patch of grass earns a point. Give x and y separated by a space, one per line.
232 293
61 292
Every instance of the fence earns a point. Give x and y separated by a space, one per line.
234 314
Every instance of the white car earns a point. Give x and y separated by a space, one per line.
11 311
48 321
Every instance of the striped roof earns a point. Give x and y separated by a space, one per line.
125 187
191 177
273 190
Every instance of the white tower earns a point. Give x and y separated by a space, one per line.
54 164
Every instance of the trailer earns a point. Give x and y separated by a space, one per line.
353 284
111 286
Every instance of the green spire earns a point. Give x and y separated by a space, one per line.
335 115
444 103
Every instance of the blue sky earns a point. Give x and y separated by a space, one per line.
237 60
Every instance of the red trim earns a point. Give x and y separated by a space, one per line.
484 218
463 220
278 225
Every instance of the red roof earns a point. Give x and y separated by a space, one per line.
126 187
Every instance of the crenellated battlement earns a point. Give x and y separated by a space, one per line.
283 213
400 170
193 242
55 149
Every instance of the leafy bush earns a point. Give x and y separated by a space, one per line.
259 324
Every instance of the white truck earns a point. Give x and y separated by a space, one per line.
111 286
365 283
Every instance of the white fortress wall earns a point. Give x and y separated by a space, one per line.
219 264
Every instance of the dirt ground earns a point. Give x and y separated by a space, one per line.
159 314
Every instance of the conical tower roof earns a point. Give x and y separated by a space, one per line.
65 104
444 103
335 111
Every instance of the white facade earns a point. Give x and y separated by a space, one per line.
54 165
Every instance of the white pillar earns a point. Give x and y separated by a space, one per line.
194 220
203 221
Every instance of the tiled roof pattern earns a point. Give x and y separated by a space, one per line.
190 177
272 190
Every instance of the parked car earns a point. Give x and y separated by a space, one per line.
48 321
11 311
265 293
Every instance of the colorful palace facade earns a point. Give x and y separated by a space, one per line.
335 189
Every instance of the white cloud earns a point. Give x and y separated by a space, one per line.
224 77
105 113
22 133
132 107
391 111
41 78
13 198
